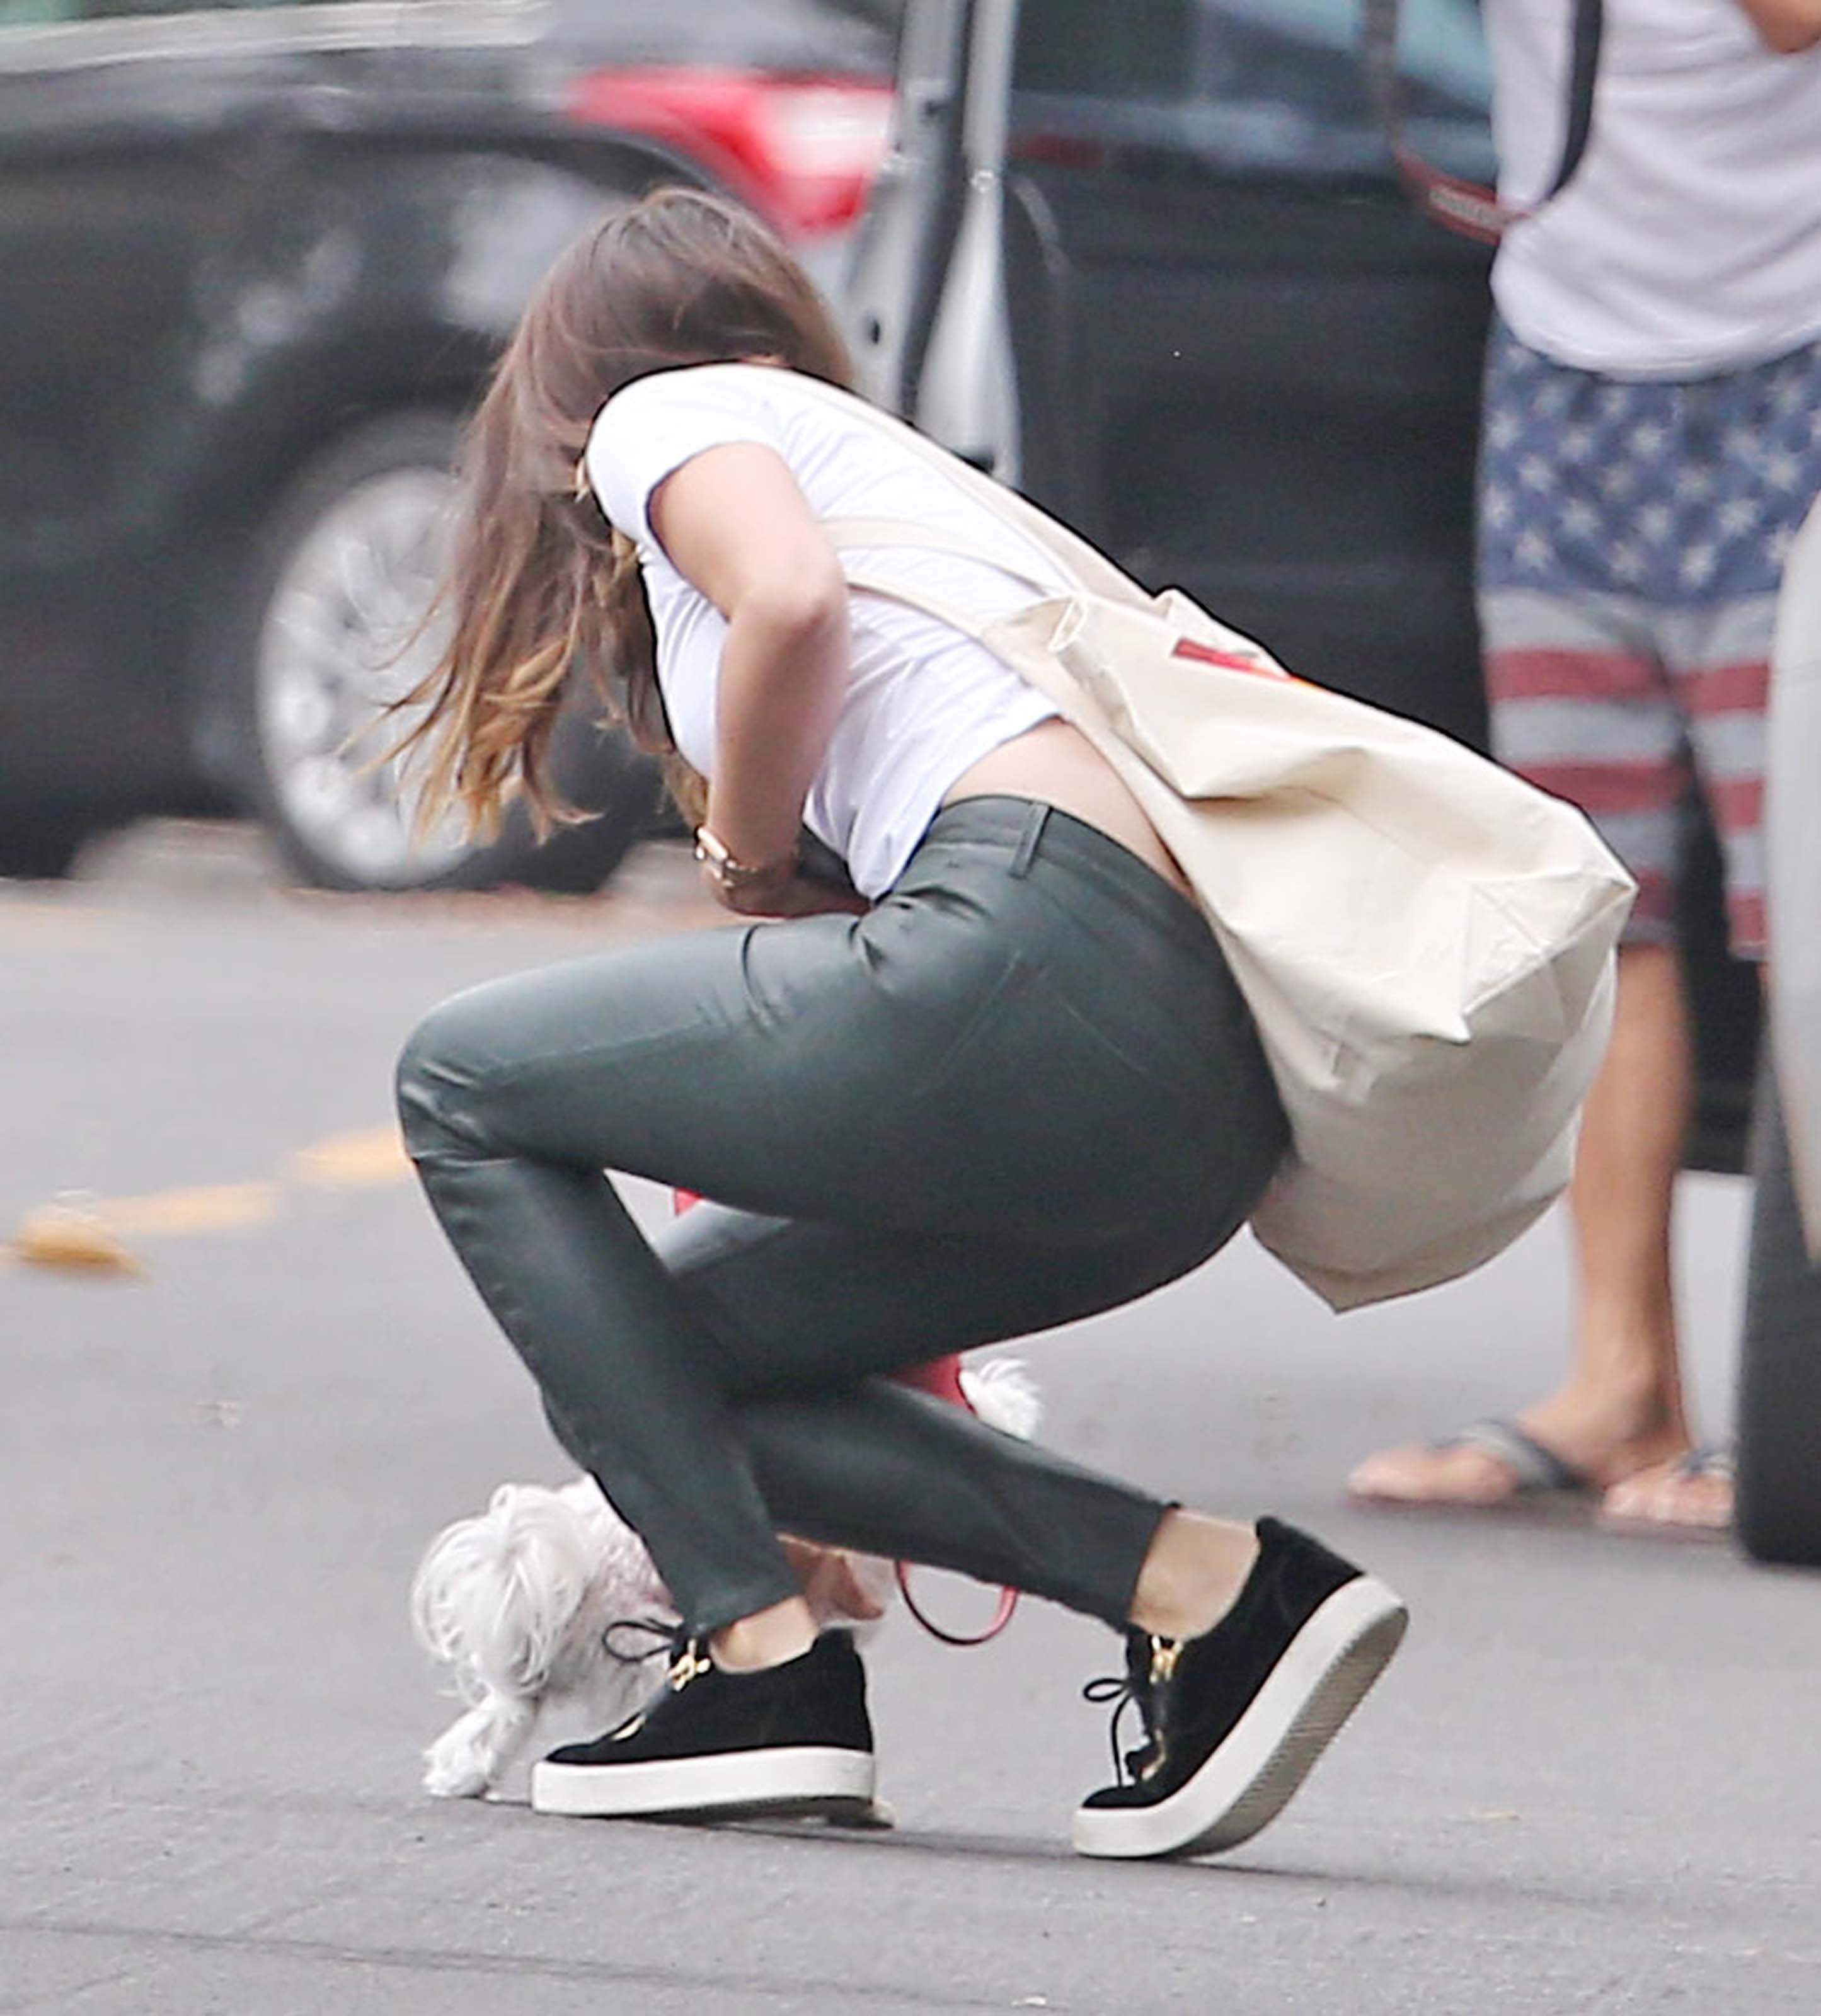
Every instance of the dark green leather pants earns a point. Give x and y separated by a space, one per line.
1022 1089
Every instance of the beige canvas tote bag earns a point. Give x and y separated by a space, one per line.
1425 940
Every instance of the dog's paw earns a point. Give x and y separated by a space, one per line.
445 1778
472 1753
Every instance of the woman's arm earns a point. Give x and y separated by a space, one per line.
736 524
1786 26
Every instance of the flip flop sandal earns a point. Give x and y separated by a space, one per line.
1705 1461
1542 1481
1538 1470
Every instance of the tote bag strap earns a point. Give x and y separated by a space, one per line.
1040 665
846 534
1078 561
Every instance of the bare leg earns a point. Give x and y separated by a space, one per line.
1192 1574
1620 1408
767 1638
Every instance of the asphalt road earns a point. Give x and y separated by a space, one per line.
1592 1782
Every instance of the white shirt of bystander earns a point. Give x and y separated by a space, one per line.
1689 241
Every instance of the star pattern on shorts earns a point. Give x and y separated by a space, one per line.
1576 443
1692 483
1579 519
1533 550
1696 566
1684 495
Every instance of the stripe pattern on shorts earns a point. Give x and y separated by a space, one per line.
1631 538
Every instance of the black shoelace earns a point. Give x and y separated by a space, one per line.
670 1638
1132 1689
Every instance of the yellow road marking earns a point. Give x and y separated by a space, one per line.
91 1234
208 1207
69 1237
363 1159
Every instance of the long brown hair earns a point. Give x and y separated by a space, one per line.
540 586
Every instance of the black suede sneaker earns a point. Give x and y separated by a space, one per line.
789 1739
1234 1719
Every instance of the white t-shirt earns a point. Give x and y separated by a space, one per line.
924 701
1689 240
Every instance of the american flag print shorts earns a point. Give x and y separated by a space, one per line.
1631 538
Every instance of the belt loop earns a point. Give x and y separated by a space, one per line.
1036 816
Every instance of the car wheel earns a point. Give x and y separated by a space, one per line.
39 850
322 632
1779 1511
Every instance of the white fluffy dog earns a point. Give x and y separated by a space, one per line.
518 1604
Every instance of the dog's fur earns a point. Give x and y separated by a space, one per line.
518 1604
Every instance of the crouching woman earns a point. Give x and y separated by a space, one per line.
999 1080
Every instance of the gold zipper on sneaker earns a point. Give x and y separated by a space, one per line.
690 1664
1164 1652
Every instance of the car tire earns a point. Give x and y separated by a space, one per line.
308 642
40 850
1778 1511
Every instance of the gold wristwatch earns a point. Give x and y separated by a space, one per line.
734 876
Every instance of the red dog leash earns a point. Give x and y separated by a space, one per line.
941 1376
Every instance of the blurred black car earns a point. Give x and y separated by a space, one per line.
254 261
1151 265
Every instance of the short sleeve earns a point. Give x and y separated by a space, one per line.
650 429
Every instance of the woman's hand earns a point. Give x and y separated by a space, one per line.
1787 26
791 895
833 1583
810 881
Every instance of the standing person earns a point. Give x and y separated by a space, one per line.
1651 441
1008 1083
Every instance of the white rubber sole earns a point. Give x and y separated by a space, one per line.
1317 1684
805 1780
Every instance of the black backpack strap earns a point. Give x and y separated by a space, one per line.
1589 29
1468 207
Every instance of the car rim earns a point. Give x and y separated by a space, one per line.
336 645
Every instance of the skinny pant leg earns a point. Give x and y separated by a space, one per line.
873 1465
877 1083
